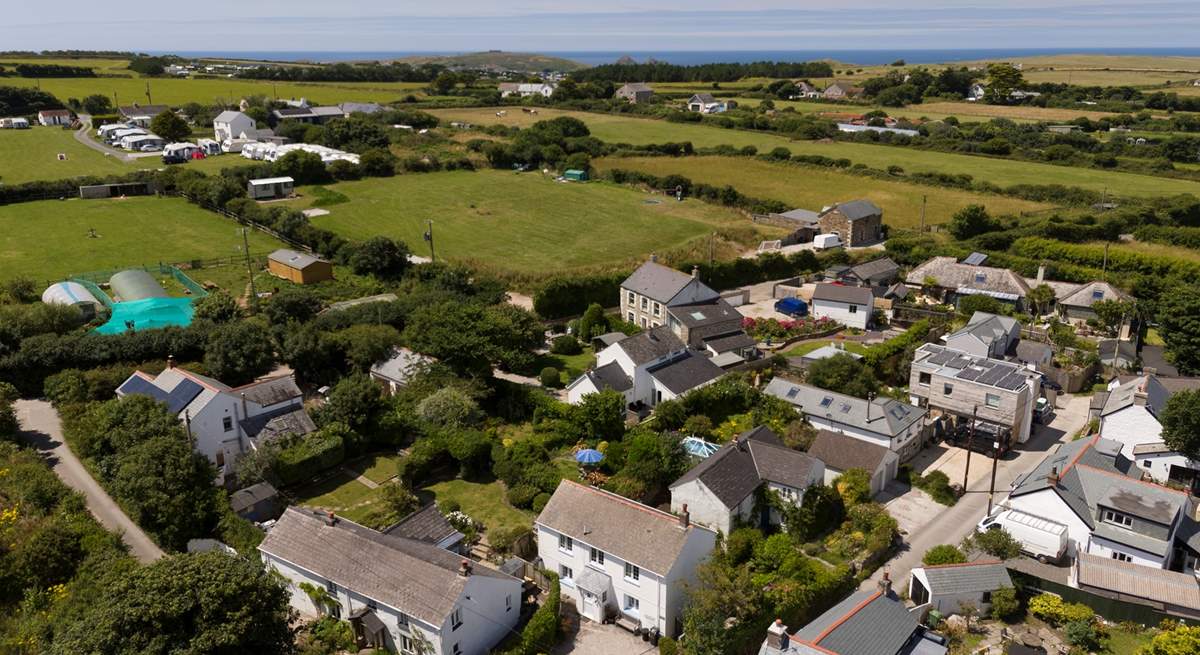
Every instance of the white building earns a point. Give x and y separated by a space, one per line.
1094 490
14 123
621 559
54 117
721 491
882 421
225 422
229 125
950 587
402 594
647 369
395 372
850 306
841 452
1130 417
986 335
525 90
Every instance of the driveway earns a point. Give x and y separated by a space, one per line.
83 135
41 427
584 637
951 524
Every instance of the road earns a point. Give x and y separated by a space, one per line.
41 427
82 136
950 526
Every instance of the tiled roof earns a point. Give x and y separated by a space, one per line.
842 452
886 416
278 422
427 524
865 623
686 371
728 342
270 391
1180 589
657 282
876 268
650 345
950 274
610 376
969 578
243 499
988 328
296 260
1093 292
631 531
844 294
705 313
402 365
412 576
856 209
739 467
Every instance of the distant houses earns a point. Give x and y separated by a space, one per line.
525 90
56 117
635 93
706 103
842 91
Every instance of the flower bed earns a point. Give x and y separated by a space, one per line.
776 330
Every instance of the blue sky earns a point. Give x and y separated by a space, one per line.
531 25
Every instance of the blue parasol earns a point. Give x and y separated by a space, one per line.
589 456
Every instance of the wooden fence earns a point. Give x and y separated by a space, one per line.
244 221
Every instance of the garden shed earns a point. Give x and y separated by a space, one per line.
298 267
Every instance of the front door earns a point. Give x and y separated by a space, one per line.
593 608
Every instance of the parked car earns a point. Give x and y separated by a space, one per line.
173 159
150 147
1050 384
983 442
793 307
1043 410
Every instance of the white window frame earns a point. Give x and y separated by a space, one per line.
227 423
566 544
633 572
645 303
657 309
631 605
566 575
1118 518
456 619
631 297
991 400
596 557
632 317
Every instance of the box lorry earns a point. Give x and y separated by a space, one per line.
1040 537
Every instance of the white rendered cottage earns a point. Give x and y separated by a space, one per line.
621 559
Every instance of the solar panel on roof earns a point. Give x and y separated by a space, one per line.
1014 381
971 374
942 357
992 375
959 362
182 395
140 386
975 259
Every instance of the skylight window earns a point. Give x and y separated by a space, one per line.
1098 294
845 408
826 401
699 316
793 392
980 277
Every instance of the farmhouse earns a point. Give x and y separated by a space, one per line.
805 90
1097 493
705 103
525 90
841 91
721 490
225 422
635 93
270 188
887 422
850 306
620 559
865 623
961 386
948 587
298 267
229 125
841 452
986 335
655 295
428 594
54 117
949 280
857 222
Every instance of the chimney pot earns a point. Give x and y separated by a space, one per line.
695 272
885 583
170 361
777 636
330 518
464 569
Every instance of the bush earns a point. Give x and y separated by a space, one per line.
566 345
310 455
667 646
937 485
1005 604
502 539
1053 610
539 502
1084 634
522 495
550 377
943 554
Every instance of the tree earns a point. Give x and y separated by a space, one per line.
843 374
449 407
236 353
600 415
377 162
218 307
381 257
167 489
355 400
822 510
1179 640
258 465
105 429
721 592
1179 326
854 486
20 289
303 167
943 554
1003 79
1083 634
971 221
592 323
399 499
1005 604
1040 297
170 126
968 305
1181 423
365 344
1111 313
292 304
193 603
997 542
97 104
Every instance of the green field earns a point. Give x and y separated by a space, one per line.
520 223
173 91
49 239
1004 172
813 188
32 154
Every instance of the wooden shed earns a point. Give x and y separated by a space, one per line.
298 267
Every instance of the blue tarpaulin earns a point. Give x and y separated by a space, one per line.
148 314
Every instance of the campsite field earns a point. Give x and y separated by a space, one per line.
48 239
173 91
813 188
32 154
1004 172
525 224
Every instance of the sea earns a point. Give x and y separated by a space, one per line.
696 57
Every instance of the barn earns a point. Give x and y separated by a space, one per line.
298 267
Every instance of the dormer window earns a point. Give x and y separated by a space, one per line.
1117 518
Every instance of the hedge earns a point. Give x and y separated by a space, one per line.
570 296
541 633
1094 256
877 354
309 456
1187 237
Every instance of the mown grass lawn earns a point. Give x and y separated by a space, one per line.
341 494
1004 172
483 501
32 154
813 188
377 467
809 346
48 239
523 223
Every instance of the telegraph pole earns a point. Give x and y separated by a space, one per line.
249 268
970 442
923 199
429 238
992 488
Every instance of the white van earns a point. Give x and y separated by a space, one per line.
1042 538
826 241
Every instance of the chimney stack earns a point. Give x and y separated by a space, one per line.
330 518
464 568
170 361
245 409
777 636
1053 477
685 517
885 583
1041 276
695 272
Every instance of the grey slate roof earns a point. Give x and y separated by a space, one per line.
650 345
143 110
277 423
243 499
740 466
686 371
825 352
412 576
706 313
882 269
657 282
728 342
952 275
887 416
855 210
360 107
1032 352
988 328
228 115
402 366
426 524
844 294
610 376
703 97
1180 589
866 623
636 533
271 391
842 452
803 217
296 260
969 578
1086 295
